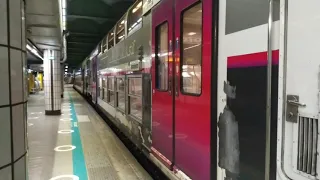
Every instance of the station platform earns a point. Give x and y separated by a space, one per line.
78 145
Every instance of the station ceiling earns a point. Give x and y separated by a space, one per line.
88 21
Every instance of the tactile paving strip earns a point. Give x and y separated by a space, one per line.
98 163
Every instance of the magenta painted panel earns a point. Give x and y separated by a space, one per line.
162 102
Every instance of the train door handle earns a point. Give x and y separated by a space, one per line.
293 104
296 103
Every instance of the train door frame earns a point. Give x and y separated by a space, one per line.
214 89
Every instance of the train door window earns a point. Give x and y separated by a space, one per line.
162 57
110 91
135 96
111 39
135 17
120 29
191 50
121 98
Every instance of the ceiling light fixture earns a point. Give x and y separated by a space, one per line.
192 33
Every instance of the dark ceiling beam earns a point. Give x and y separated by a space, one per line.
84 34
76 54
75 49
84 43
76 16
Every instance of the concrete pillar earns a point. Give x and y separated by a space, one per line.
52 82
13 91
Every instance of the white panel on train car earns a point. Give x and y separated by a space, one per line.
148 4
298 127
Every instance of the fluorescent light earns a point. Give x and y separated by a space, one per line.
192 33
35 52
137 7
64 4
185 74
192 46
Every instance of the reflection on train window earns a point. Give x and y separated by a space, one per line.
135 86
121 98
134 96
104 88
104 45
135 17
191 50
111 39
135 106
110 99
120 30
162 57
100 88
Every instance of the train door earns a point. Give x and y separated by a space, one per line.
181 99
192 87
162 90
300 125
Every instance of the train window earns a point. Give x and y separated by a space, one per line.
120 30
104 45
100 88
110 91
135 86
135 17
111 39
103 88
191 50
162 57
121 100
135 96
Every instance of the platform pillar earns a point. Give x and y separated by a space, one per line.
13 91
52 82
